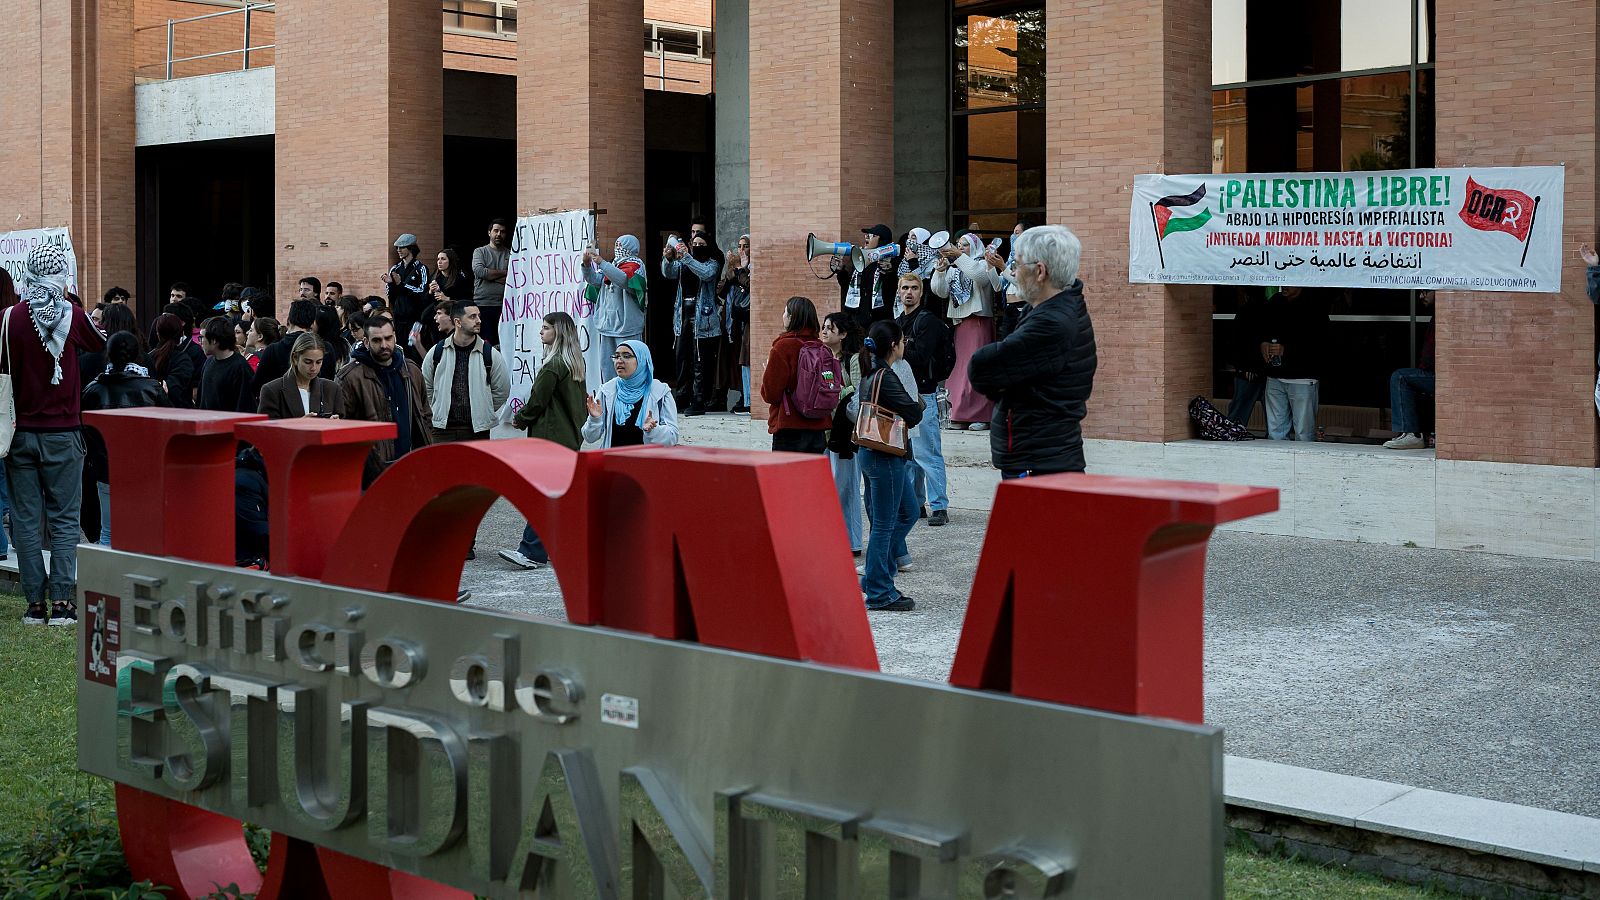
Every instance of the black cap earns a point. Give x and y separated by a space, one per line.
882 231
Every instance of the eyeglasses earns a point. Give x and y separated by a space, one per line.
618 357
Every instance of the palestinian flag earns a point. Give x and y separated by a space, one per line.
1167 223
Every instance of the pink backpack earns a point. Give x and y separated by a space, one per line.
817 383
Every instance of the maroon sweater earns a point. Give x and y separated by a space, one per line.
42 406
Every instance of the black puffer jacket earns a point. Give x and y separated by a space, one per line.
1040 378
116 390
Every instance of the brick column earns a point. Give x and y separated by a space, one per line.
580 114
821 146
359 151
68 122
1128 91
1516 86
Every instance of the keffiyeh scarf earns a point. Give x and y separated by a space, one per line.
46 297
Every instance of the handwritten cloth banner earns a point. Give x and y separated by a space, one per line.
16 245
1444 229
545 275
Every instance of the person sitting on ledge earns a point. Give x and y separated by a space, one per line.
1406 384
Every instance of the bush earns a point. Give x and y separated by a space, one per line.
75 852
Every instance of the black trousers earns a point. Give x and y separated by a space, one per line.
697 368
800 440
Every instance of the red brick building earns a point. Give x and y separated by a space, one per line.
833 114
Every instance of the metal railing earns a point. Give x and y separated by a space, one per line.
244 51
660 54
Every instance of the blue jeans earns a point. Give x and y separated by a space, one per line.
105 513
847 482
1245 395
744 374
46 480
892 512
927 448
1291 405
1404 386
532 547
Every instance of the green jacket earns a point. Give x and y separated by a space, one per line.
555 409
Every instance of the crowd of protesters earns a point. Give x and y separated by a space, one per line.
424 357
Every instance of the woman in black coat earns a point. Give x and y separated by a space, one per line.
124 384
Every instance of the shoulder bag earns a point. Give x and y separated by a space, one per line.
8 402
878 428
7 399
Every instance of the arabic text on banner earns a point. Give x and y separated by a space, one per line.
1443 229
16 245
545 275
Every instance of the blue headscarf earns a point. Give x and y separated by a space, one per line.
632 389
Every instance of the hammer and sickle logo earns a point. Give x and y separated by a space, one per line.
1513 213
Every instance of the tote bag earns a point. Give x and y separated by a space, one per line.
878 428
8 403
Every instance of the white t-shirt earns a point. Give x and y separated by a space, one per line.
305 400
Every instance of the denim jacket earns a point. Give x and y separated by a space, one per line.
707 324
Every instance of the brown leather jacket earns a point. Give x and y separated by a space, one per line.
364 400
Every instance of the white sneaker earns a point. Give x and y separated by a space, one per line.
1406 442
978 426
516 558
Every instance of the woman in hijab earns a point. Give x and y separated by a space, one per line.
962 275
632 408
618 293
554 411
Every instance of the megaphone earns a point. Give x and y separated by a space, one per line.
816 247
939 241
863 258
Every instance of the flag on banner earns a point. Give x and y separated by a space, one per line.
1167 223
1498 209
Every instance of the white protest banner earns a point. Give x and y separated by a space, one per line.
545 275
16 245
1445 229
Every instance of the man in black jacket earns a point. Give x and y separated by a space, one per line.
931 354
1041 375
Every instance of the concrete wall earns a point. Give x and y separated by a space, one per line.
204 108
732 92
921 115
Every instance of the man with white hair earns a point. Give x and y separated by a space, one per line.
44 470
1041 374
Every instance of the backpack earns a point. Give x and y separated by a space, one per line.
817 384
488 360
1213 425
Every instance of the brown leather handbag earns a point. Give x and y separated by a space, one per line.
879 428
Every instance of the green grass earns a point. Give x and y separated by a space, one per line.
38 699
38 764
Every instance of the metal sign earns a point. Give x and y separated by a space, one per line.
500 753
815 781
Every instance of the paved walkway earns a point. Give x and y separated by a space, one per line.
1461 672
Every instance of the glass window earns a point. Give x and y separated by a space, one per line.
1003 164
677 40
999 59
649 38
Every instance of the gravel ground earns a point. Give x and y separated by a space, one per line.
1461 672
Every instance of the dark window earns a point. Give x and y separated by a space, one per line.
1328 86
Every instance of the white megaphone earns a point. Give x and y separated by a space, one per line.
939 241
816 247
863 258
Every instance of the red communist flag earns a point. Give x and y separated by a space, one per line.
1492 209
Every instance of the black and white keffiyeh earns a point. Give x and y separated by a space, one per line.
46 296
